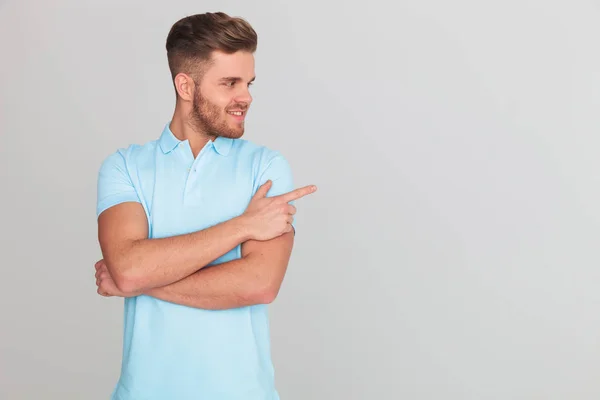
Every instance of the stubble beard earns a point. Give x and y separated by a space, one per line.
207 118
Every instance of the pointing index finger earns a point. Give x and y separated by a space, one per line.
297 193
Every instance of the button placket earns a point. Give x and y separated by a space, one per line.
194 172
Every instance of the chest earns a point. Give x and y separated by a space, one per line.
186 198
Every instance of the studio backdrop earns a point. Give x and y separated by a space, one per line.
451 251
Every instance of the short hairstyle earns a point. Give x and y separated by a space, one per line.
192 40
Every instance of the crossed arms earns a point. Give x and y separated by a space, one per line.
173 268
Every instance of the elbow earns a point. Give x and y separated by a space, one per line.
125 278
267 293
127 284
266 298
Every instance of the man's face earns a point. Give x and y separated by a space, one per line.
222 99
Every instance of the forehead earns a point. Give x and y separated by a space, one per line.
239 64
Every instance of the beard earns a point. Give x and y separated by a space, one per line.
208 118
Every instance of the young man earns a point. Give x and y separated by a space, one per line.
196 229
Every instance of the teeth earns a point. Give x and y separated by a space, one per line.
235 113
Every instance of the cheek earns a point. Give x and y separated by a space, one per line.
227 102
220 103
215 97
222 98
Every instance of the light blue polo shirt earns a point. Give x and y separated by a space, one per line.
174 352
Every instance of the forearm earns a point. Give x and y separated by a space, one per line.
150 263
233 284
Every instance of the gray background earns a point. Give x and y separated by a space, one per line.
452 250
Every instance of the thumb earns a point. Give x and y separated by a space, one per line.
263 190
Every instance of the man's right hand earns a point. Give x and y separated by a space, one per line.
270 217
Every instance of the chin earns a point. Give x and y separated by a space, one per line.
232 134
236 132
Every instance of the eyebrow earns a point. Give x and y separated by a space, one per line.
235 79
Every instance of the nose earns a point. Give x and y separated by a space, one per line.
244 96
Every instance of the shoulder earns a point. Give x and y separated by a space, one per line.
131 156
258 155
118 177
265 164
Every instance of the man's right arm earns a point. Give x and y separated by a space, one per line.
138 263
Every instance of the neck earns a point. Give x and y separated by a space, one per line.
184 129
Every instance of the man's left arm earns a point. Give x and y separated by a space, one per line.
253 279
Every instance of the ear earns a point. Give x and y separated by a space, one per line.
184 84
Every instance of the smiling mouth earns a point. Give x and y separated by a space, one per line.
236 113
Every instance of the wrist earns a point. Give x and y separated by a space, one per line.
243 228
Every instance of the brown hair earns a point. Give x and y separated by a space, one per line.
192 40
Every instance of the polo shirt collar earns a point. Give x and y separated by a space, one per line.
168 141
222 145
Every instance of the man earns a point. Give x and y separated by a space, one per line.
196 230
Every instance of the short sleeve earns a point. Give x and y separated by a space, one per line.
278 170
114 184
